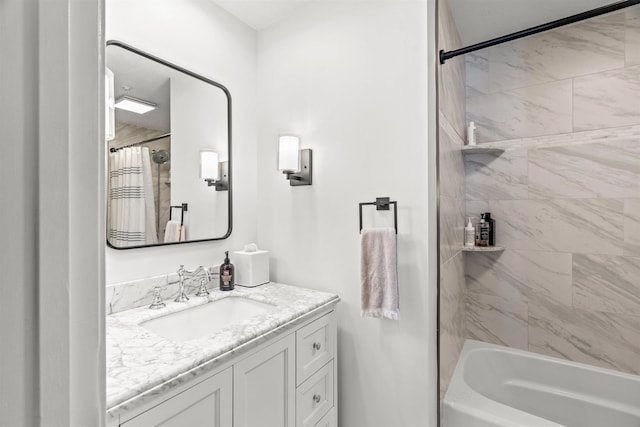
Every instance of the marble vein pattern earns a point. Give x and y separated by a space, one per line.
451 227
608 135
528 276
606 99
451 168
632 227
477 73
497 176
451 82
137 293
589 170
474 208
584 48
560 225
607 283
452 317
142 365
451 138
601 339
540 110
632 36
497 320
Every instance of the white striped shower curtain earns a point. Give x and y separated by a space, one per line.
131 212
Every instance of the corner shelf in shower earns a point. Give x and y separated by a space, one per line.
485 148
482 248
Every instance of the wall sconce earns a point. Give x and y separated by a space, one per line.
294 162
214 173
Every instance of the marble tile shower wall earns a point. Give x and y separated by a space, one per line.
451 93
565 193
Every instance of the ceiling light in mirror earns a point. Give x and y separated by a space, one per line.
134 105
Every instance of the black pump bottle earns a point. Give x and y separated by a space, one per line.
227 274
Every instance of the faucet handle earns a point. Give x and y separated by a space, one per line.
157 299
182 297
202 292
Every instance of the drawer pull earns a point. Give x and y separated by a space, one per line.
316 398
317 346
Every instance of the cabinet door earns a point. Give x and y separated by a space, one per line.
207 404
328 420
264 387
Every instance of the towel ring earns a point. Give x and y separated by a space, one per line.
183 208
382 204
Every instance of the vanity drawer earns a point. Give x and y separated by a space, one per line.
314 346
314 398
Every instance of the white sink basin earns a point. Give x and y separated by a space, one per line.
205 319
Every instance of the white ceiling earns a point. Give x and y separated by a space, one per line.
480 20
259 14
477 20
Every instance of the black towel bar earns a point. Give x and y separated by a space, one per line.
382 204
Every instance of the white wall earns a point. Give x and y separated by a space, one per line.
198 122
201 37
52 291
351 79
18 207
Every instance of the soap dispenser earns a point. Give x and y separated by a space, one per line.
227 274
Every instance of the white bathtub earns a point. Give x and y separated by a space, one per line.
499 386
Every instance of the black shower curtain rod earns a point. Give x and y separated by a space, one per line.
539 28
155 138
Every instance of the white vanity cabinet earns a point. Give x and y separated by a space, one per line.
290 380
206 404
264 387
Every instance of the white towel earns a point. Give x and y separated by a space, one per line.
183 233
379 273
172 231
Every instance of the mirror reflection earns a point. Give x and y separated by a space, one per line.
168 160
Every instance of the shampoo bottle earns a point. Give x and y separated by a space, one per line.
227 274
469 234
471 134
492 228
483 231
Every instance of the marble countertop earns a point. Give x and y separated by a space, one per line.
142 365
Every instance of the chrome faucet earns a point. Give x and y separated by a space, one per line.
182 297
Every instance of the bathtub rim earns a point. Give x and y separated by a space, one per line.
462 398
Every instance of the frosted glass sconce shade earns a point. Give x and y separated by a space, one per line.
289 154
294 162
209 165
134 105
214 173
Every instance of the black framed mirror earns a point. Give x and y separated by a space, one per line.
169 153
